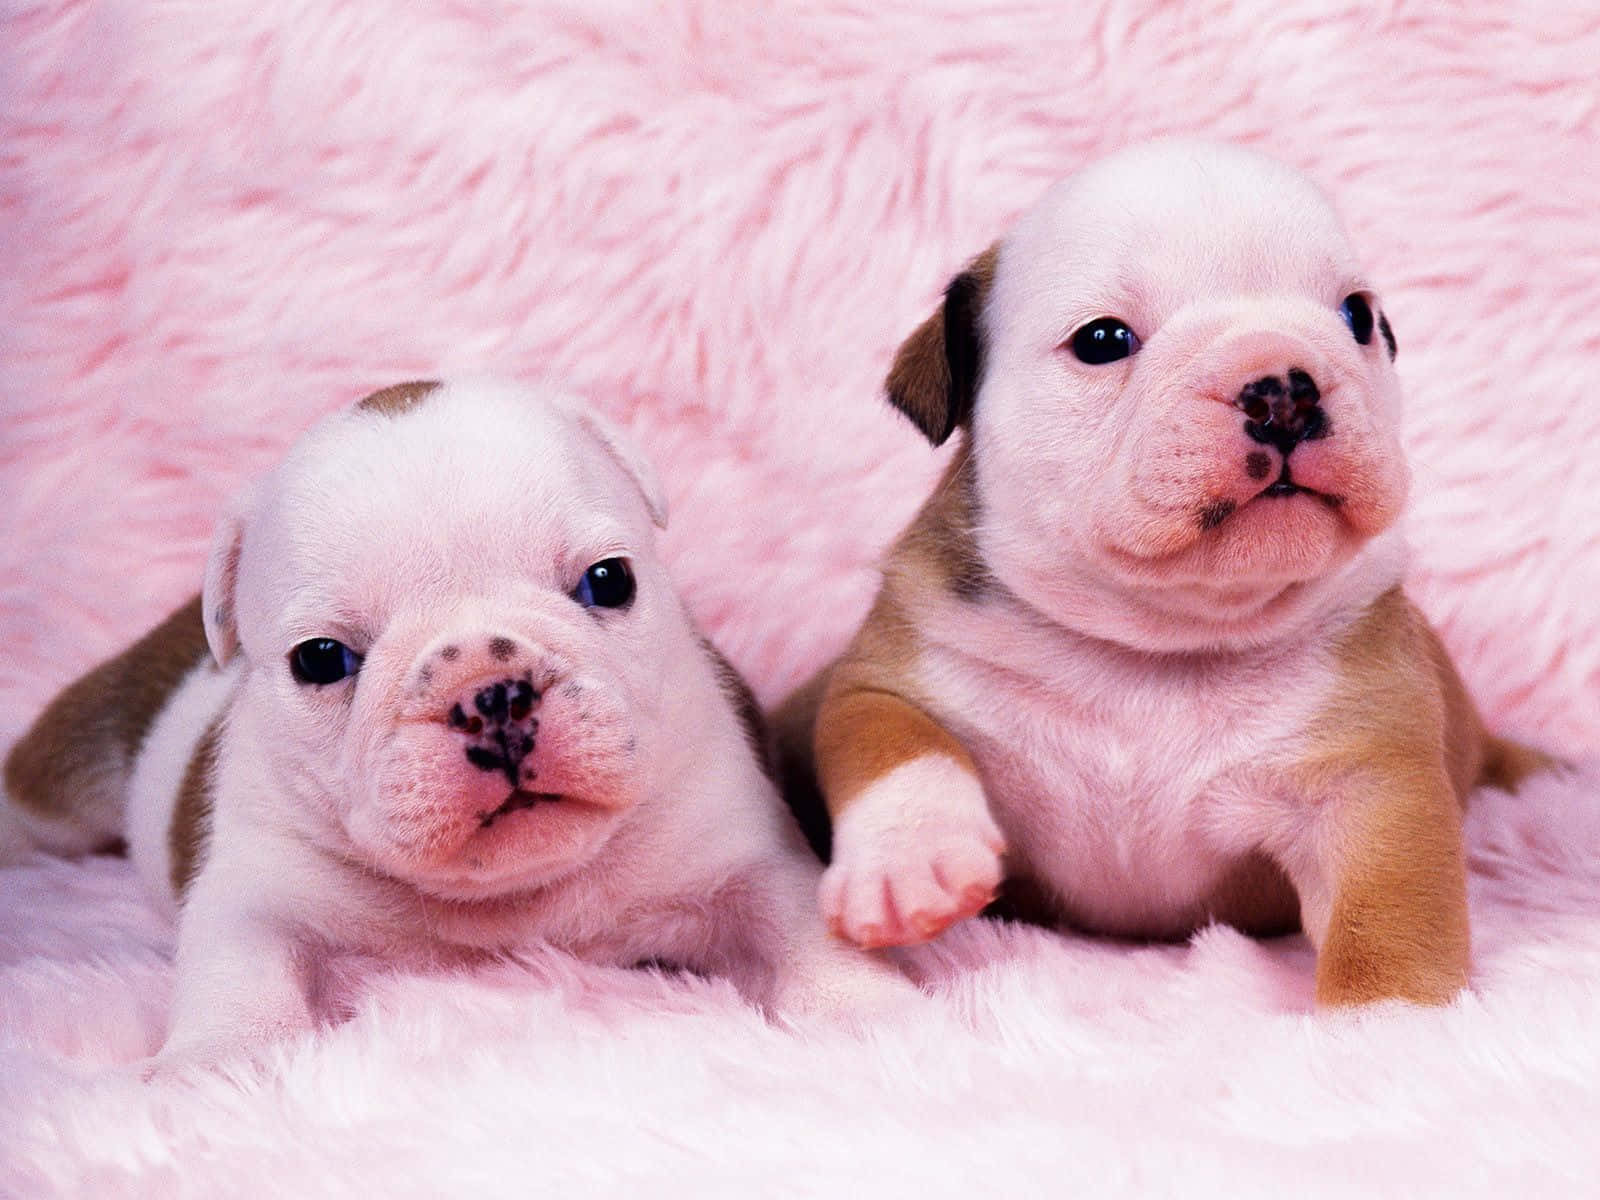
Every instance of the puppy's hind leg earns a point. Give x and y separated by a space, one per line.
66 778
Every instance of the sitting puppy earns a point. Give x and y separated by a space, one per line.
455 706
1147 640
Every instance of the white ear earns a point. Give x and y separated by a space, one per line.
626 454
219 598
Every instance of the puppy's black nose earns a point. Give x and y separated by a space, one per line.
1283 414
498 726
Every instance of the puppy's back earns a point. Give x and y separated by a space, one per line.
67 778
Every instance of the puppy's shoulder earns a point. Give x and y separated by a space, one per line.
938 555
1397 702
933 570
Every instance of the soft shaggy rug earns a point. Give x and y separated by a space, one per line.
221 219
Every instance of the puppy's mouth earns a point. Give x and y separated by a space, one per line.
519 799
1284 487
1287 485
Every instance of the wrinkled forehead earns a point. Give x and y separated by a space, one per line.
463 492
1170 222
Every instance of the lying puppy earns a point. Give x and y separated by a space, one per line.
455 706
1147 642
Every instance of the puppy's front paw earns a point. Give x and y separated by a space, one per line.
914 853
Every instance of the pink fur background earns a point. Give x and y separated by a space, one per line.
220 220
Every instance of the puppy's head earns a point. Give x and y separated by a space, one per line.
458 635
1180 394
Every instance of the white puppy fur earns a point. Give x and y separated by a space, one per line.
623 813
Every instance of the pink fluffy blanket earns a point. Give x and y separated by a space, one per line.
220 220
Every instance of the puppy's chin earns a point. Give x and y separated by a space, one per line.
1252 579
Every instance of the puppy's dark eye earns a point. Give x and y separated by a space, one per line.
1357 314
607 584
1103 340
323 660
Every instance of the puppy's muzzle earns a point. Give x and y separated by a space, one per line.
1283 412
497 725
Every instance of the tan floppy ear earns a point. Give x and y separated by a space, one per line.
218 599
937 369
626 455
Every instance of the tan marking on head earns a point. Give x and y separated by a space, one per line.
399 397
936 370
72 764
191 815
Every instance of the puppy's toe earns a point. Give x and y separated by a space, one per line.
971 872
923 906
861 912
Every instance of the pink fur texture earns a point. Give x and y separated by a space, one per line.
219 221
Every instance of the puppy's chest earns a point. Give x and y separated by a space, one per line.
1117 772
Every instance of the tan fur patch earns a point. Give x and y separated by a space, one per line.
1391 760
1472 755
861 735
72 764
871 682
863 714
1506 763
919 382
943 537
191 815
399 397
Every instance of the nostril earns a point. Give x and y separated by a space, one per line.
493 706
502 730
462 720
1256 398
519 701
1303 390
1312 425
